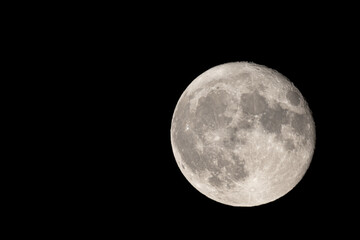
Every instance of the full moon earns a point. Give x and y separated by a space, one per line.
242 134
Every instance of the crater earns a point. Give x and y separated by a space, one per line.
182 166
293 97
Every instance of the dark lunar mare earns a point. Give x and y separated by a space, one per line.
300 123
253 103
210 111
273 118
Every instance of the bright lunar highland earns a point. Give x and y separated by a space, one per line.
242 134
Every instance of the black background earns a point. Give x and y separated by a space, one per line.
160 60
116 79
165 65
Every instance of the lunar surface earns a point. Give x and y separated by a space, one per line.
242 134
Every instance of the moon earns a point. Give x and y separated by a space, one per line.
242 134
